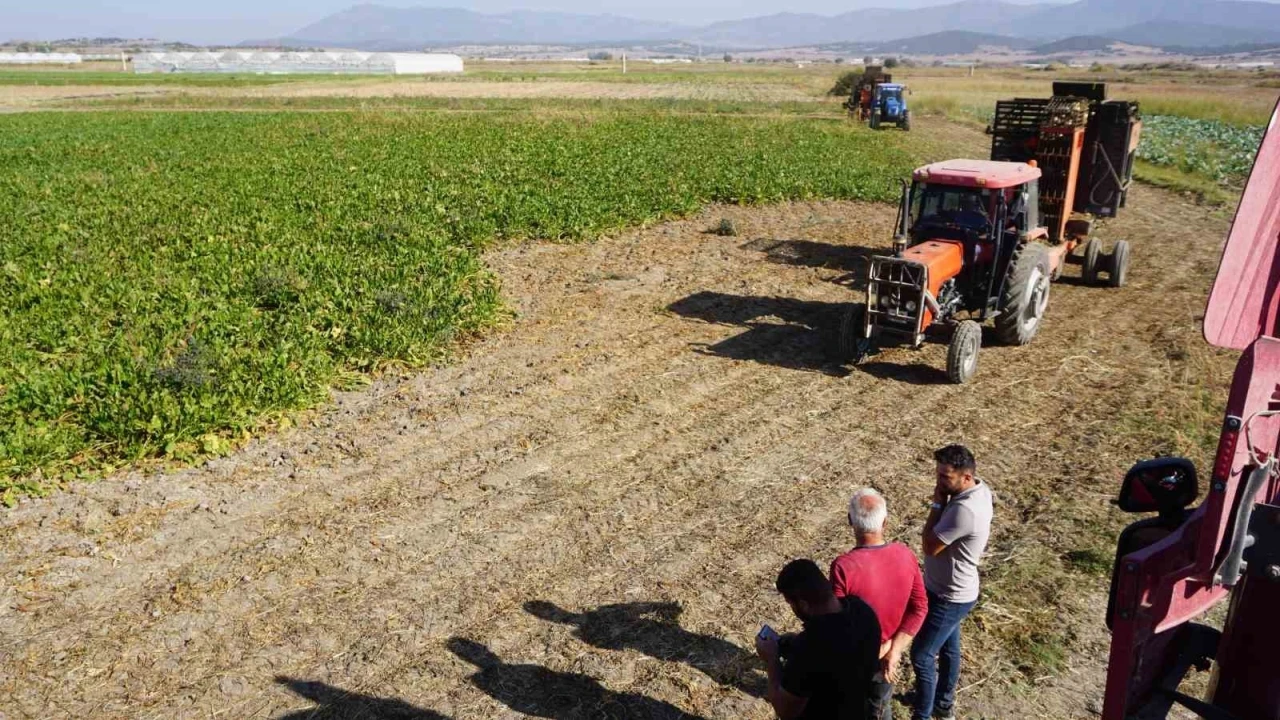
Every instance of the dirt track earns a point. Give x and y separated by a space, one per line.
660 425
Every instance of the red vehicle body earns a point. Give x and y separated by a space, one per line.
1172 569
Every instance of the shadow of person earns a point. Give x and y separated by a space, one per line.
541 692
334 703
653 628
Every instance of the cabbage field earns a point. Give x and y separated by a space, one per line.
170 281
1216 150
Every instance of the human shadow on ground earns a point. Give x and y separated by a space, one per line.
805 339
653 628
540 692
334 703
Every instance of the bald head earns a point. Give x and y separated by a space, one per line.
867 512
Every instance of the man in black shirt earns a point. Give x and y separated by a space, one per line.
824 673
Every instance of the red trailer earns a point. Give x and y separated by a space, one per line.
1172 568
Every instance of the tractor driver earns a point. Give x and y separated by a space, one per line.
970 213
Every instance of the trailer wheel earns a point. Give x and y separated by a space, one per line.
1026 295
962 354
854 346
1089 267
1119 270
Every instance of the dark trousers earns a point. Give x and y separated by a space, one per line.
935 655
880 699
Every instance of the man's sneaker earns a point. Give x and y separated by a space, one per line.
947 715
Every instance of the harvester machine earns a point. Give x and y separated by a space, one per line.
1171 569
981 240
1085 147
862 96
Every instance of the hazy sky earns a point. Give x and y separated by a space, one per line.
231 21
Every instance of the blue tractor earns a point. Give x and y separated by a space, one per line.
889 105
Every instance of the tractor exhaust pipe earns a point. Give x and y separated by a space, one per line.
900 237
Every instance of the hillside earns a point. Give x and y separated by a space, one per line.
1169 33
950 42
1178 17
872 25
378 27
1158 23
1075 43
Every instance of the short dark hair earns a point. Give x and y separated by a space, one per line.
803 580
956 456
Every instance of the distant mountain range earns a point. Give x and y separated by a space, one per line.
1160 23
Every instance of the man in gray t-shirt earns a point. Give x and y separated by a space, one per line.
955 536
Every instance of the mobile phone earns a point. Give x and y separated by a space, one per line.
768 633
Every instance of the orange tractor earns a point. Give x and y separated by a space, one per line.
983 239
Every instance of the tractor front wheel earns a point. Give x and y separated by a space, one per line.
854 344
1119 270
1089 266
906 122
1026 295
875 119
962 354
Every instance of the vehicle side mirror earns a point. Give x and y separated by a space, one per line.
1163 485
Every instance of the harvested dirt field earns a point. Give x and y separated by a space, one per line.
583 516
20 97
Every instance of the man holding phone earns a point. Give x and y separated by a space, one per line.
824 672
955 536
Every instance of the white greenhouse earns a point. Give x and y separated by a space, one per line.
280 63
50 58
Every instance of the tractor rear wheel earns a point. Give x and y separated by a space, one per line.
1026 295
962 354
1119 271
1089 266
854 345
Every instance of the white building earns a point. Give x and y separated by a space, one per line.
50 58
280 63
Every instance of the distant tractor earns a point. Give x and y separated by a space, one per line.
889 105
983 239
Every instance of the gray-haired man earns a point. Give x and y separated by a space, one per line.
887 577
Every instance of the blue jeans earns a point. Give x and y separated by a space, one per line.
935 656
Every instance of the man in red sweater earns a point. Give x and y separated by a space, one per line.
887 577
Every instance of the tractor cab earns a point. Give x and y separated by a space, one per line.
971 200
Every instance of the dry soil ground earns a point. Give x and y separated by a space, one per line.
582 517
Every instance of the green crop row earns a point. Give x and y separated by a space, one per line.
1215 150
170 280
